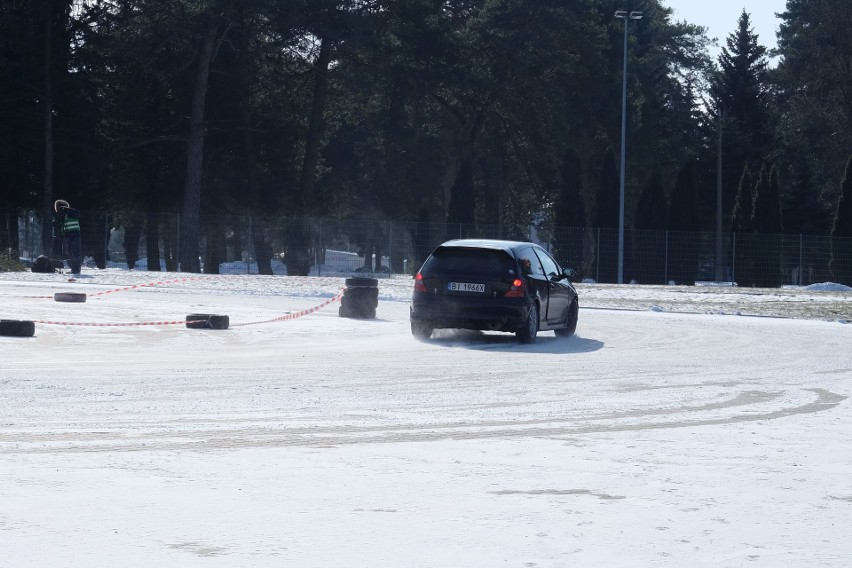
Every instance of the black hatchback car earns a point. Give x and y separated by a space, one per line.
493 285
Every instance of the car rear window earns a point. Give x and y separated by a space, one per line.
487 262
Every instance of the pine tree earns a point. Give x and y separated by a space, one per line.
683 214
570 210
743 206
606 218
651 218
740 92
743 230
804 210
812 90
766 222
766 212
841 232
652 210
607 202
683 217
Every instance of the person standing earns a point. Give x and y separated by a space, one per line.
67 221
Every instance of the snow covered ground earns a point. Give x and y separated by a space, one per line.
671 431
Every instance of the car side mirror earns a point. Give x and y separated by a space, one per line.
569 273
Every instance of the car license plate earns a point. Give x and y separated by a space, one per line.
466 287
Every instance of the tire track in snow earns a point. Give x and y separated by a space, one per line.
255 436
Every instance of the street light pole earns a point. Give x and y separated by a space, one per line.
720 273
626 16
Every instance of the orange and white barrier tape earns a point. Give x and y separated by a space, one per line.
295 314
84 324
125 288
183 322
146 285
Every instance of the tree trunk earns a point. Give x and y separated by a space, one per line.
152 241
9 229
462 201
132 234
301 251
189 229
215 253
262 250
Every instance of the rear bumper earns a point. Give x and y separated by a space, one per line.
466 313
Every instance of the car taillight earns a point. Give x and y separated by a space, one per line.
419 286
517 289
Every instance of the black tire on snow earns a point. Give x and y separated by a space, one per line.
528 332
17 328
570 321
74 297
361 282
421 331
207 321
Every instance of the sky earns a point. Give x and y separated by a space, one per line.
720 17
653 437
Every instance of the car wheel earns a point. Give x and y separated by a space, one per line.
527 333
17 328
570 321
421 331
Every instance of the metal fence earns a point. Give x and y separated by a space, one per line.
332 247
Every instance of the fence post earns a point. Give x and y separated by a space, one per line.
801 259
249 247
666 260
177 245
106 238
598 258
321 247
733 259
390 249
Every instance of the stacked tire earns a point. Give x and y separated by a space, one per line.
360 298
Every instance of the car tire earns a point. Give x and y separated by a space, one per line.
528 332
570 321
421 331
207 321
73 297
17 328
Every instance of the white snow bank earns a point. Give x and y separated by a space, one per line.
828 287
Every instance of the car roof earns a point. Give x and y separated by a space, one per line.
497 244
